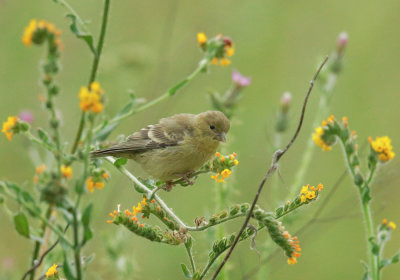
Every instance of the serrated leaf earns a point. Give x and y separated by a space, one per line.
21 224
79 33
120 162
186 271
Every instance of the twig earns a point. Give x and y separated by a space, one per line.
43 256
274 166
314 218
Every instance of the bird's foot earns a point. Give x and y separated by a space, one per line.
187 176
168 186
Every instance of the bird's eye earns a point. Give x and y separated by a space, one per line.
212 127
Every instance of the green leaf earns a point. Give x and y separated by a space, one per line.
186 271
87 232
21 224
105 131
77 30
45 137
120 162
365 195
67 269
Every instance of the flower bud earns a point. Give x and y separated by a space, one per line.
342 41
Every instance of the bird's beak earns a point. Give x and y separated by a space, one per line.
221 137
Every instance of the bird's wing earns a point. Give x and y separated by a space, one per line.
168 132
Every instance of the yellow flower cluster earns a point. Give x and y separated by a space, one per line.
220 177
8 127
308 193
39 170
383 146
319 131
91 99
90 184
35 25
228 48
294 242
391 225
52 270
135 210
226 172
66 171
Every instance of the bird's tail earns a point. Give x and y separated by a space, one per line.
113 151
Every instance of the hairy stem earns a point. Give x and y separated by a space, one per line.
93 72
38 244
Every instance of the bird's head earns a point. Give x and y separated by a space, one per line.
213 124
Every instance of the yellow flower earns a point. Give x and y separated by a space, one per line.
392 225
52 270
224 61
310 195
28 32
217 179
91 99
40 169
292 260
144 201
383 146
214 61
8 127
303 198
304 189
137 209
226 173
235 162
201 38
34 25
317 138
66 171
90 184
384 222
229 50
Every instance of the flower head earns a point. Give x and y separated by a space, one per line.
91 99
318 135
217 48
342 41
40 169
37 31
90 184
8 127
382 146
26 116
66 171
239 80
52 270
201 38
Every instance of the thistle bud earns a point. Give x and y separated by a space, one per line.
342 41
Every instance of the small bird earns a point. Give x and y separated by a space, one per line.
174 148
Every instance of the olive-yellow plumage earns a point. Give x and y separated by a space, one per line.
174 147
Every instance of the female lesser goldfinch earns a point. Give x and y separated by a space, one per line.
175 147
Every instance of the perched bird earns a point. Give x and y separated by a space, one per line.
175 147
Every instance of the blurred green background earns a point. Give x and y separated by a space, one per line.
151 45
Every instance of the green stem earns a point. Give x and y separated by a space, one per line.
77 247
36 140
369 228
190 254
217 222
93 72
38 244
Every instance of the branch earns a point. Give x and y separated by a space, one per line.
274 166
43 256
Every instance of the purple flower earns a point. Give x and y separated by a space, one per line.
240 80
26 116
